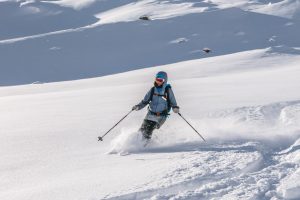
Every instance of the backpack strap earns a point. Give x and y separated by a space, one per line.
166 95
151 93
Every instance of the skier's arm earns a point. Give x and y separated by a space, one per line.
145 101
173 102
172 98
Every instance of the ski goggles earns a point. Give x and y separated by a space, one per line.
161 80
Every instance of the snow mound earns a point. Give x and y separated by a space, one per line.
290 115
290 186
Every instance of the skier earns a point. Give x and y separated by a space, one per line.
160 99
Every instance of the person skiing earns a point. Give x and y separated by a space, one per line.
160 99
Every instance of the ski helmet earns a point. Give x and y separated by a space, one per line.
162 75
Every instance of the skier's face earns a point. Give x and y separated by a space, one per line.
159 81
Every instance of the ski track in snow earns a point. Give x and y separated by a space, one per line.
257 179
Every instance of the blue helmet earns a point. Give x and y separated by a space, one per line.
162 75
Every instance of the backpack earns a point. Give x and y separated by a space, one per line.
166 95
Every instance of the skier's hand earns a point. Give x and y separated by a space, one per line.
175 109
136 108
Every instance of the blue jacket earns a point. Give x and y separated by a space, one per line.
158 104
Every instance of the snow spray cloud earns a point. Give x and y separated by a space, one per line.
277 123
129 141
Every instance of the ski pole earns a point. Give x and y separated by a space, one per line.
100 138
191 126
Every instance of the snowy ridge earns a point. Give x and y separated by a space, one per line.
283 8
76 4
127 13
152 8
287 8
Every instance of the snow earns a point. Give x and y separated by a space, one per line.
283 8
223 4
126 13
49 147
290 186
223 30
154 9
76 4
287 9
243 98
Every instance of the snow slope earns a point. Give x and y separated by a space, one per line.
246 105
243 97
47 41
282 8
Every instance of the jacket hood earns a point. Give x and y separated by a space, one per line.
163 75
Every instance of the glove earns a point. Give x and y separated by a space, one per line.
175 109
136 108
